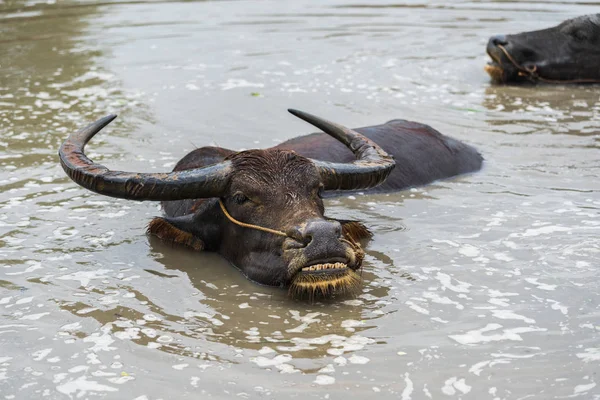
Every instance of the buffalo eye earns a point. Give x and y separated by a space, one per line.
240 198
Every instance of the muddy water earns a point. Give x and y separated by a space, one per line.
481 287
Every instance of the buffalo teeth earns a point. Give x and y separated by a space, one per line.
321 267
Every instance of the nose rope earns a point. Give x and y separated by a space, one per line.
250 226
532 73
359 252
351 242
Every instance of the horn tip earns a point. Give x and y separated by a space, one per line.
303 116
102 122
295 112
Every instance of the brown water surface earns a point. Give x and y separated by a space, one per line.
481 287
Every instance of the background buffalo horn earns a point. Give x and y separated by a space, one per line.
372 165
204 182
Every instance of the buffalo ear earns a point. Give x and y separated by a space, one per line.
176 230
354 230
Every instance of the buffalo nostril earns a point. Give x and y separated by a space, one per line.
338 229
498 40
297 235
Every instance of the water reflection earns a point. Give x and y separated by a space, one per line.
231 311
572 110
253 316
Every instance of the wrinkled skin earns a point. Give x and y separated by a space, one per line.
279 188
567 53
273 189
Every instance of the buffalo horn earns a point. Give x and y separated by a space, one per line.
204 182
372 165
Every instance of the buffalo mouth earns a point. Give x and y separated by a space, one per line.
324 279
500 69
495 71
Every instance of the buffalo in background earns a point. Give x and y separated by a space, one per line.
567 53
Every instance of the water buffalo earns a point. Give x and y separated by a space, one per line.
567 53
263 210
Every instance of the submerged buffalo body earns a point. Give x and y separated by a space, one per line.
263 210
567 53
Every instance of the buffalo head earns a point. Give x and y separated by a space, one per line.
567 53
260 209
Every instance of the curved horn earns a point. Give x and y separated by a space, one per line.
204 182
372 165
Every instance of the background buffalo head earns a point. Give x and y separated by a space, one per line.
567 53
261 209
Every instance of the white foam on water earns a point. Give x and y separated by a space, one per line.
24 300
33 317
164 339
327 369
354 359
453 384
64 232
555 305
86 310
80 386
266 350
128 334
499 302
590 354
448 242
478 367
417 308
203 315
84 277
539 285
408 390
78 368
436 298
497 293
544 230
287 369
324 380
41 354
468 250
240 83
509 355
264 362
341 361
477 336
305 320
583 388
446 281
351 324
102 340
507 314
503 257
33 265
